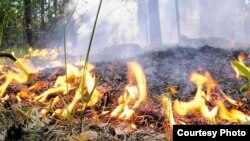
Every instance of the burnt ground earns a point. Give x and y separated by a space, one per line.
163 69
173 67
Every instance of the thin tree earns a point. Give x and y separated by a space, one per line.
55 8
178 20
28 22
42 15
154 23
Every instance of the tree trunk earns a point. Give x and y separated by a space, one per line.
28 22
55 8
143 20
42 15
178 20
154 23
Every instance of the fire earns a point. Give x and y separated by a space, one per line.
25 68
198 104
77 80
62 84
92 94
1 68
168 112
232 115
24 94
82 83
80 80
240 59
135 93
199 101
51 53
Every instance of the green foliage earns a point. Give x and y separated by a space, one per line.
12 21
243 70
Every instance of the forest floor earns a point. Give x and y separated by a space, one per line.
163 69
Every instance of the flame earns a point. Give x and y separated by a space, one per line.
82 81
51 53
25 68
62 84
211 84
1 68
167 110
241 58
90 84
93 94
24 94
135 93
55 101
199 101
168 113
25 65
232 115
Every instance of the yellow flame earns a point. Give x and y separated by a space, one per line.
62 84
46 53
1 68
82 81
92 93
232 115
167 111
241 58
210 85
199 101
55 101
25 67
24 94
135 93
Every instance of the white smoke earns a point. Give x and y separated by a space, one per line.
219 23
117 24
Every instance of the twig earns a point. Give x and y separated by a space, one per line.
51 128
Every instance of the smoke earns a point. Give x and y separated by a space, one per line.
129 27
222 23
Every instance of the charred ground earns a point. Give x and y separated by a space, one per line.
163 69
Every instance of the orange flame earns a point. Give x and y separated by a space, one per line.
135 93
